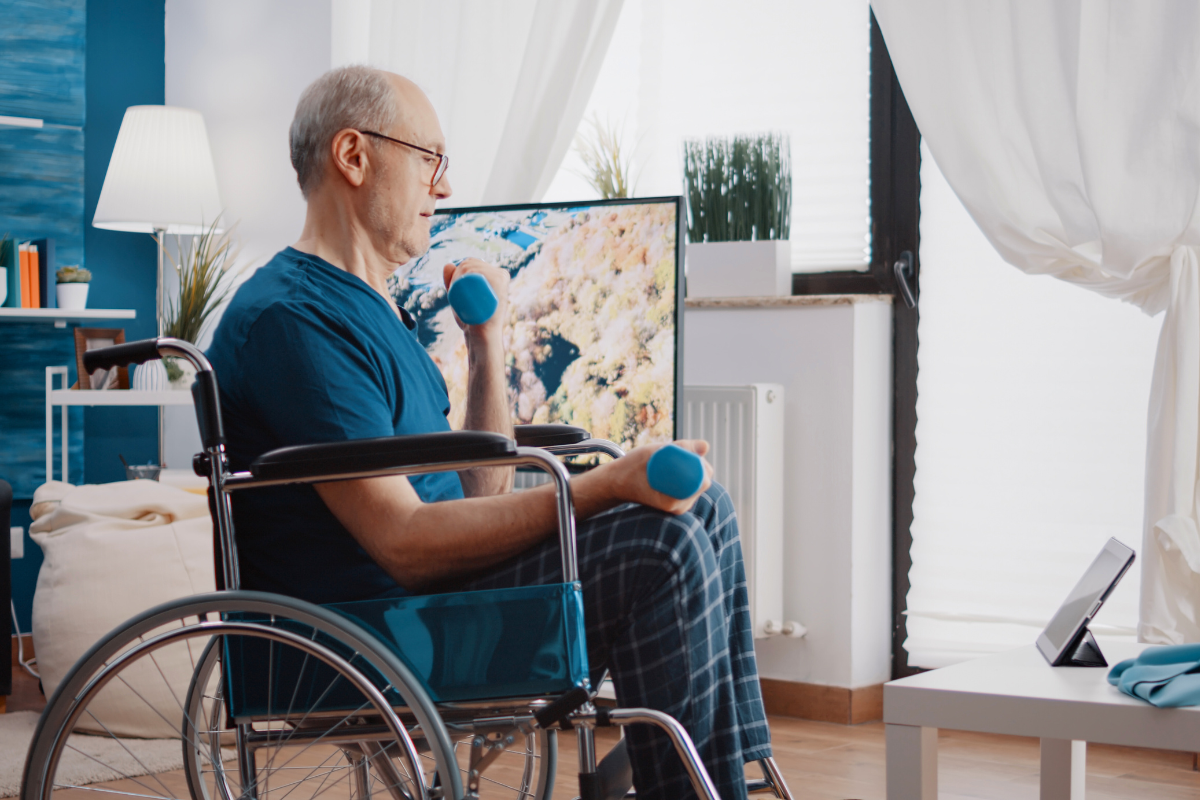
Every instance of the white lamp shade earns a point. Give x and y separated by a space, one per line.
161 175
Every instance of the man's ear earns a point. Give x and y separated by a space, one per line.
348 154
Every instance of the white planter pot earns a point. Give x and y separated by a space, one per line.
185 381
3 284
151 376
72 295
739 269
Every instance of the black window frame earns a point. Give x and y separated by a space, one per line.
895 197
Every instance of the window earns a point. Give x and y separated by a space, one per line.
1031 441
679 69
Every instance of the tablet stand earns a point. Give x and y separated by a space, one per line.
1082 652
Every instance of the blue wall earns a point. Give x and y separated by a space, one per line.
125 65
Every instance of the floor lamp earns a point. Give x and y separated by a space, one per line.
160 180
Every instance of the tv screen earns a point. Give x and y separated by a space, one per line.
593 330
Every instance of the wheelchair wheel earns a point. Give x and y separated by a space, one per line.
524 771
316 701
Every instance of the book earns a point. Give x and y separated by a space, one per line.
46 263
23 255
35 277
10 260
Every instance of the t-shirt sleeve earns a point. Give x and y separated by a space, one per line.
309 380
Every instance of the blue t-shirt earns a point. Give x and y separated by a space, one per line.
308 353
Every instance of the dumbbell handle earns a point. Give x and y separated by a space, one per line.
473 299
675 472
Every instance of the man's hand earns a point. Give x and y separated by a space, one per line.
498 279
625 481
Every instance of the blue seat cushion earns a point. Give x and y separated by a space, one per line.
501 643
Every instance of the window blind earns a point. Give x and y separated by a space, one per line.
1031 436
681 69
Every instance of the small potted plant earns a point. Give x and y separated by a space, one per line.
739 197
608 165
72 287
205 282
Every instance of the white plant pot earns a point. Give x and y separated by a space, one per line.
151 376
739 269
185 381
72 296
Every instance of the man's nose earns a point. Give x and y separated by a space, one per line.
441 190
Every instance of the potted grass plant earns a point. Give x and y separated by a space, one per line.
205 282
739 198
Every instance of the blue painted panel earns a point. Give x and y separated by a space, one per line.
29 348
42 60
41 187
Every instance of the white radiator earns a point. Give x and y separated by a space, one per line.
744 428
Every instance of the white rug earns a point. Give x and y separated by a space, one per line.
87 759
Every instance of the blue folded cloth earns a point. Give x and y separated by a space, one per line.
1167 676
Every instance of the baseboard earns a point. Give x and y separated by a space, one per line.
823 703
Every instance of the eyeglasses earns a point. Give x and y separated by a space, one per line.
443 160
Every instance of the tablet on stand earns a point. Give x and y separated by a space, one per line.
1067 642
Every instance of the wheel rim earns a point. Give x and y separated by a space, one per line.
371 765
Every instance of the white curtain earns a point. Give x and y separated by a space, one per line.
1071 133
509 80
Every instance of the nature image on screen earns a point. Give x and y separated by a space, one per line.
591 316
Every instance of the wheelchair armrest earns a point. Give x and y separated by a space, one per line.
549 435
305 462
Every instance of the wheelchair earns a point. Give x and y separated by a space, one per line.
415 698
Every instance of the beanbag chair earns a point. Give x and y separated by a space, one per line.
112 551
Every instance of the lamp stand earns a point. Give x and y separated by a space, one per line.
160 236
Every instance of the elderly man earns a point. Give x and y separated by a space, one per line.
313 349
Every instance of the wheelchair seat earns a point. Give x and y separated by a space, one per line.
517 643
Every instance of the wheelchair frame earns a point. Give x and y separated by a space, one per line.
494 725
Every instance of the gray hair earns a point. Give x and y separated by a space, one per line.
356 97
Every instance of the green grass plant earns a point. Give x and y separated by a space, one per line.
607 166
739 188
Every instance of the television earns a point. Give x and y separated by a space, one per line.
594 325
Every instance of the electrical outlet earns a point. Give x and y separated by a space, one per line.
17 537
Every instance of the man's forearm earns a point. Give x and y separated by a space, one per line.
425 545
487 410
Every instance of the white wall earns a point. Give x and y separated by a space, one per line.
243 65
834 362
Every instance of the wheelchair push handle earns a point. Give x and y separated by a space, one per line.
120 355
473 299
204 390
675 472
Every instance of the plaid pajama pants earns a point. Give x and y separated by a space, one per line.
667 612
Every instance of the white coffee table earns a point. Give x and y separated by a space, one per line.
1017 693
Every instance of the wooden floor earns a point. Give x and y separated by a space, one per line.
825 761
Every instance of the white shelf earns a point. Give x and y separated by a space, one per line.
119 397
63 314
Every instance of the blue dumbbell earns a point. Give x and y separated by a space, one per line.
472 298
675 472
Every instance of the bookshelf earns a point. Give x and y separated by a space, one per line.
61 316
64 398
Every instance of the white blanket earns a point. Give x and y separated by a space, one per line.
112 551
